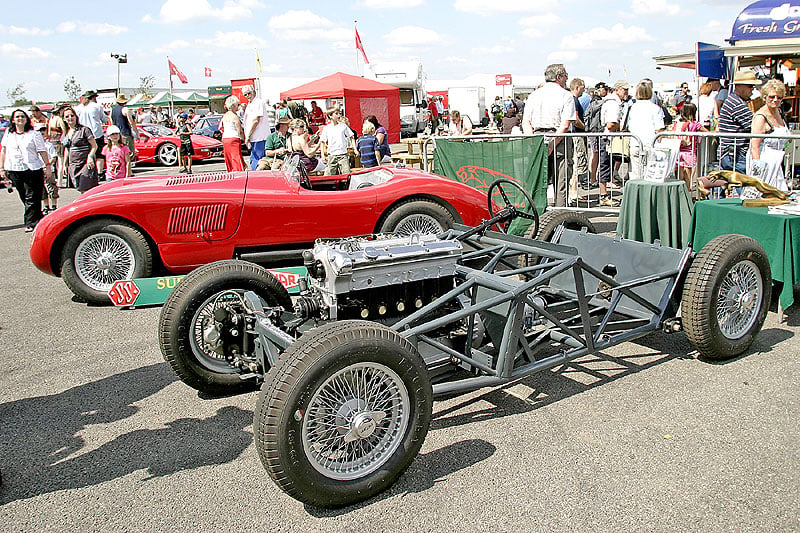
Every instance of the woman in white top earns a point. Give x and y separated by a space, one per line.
232 135
644 119
25 162
769 152
459 125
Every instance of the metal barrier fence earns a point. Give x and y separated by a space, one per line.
624 157
591 168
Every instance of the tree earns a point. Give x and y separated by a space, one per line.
146 83
72 88
17 95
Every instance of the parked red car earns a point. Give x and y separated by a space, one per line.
138 227
160 145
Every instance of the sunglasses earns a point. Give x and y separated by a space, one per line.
774 97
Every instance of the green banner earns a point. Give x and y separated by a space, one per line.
479 163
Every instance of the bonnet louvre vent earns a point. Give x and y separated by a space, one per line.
196 219
199 178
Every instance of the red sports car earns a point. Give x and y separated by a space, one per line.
160 145
138 227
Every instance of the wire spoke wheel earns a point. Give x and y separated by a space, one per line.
739 300
103 258
355 421
419 223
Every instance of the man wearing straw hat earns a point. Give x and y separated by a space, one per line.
121 118
736 117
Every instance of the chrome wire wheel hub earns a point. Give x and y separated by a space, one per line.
740 296
422 224
355 421
103 258
205 340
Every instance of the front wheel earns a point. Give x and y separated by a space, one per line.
192 341
167 154
343 413
418 216
100 253
726 296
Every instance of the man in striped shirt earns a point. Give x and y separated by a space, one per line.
736 117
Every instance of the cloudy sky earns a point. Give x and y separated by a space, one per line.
42 46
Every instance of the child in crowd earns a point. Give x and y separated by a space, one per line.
118 155
50 197
687 157
368 146
184 131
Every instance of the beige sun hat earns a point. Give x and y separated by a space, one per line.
745 77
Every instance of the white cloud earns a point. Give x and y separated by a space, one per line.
482 7
173 45
18 52
539 25
654 7
236 40
412 36
390 4
611 37
54 76
455 59
562 56
307 26
91 28
180 11
33 32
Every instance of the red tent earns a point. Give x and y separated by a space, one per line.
362 97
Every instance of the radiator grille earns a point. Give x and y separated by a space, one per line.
199 178
195 219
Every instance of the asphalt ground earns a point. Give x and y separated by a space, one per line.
98 435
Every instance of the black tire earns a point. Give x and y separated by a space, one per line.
424 216
288 417
101 252
168 154
548 222
190 302
718 273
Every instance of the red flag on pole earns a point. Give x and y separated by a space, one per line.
360 46
208 72
174 70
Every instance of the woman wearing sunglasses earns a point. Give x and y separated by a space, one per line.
765 158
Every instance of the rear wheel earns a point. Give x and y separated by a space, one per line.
167 154
191 344
418 216
100 253
726 296
343 413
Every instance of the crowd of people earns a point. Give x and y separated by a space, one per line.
81 145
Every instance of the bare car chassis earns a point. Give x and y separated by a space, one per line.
346 403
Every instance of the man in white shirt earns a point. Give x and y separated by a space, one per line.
551 109
256 125
611 115
91 115
336 139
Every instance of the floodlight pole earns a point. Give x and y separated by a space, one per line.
121 58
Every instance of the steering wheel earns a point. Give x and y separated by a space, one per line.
529 212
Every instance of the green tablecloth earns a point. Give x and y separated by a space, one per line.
778 234
652 210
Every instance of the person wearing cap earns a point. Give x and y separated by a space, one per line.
551 109
611 117
4 123
275 149
117 154
736 117
91 115
184 131
122 119
256 125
